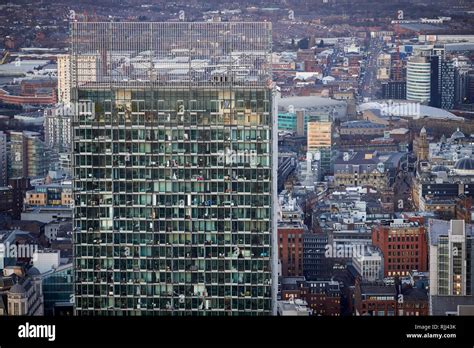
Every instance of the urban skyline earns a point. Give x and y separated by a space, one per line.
280 158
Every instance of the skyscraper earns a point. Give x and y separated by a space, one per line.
3 160
442 83
28 156
451 258
418 79
64 80
174 145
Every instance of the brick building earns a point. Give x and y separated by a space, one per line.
322 297
290 248
383 300
403 244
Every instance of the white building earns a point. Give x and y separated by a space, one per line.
64 79
418 79
86 64
369 264
57 128
45 260
297 307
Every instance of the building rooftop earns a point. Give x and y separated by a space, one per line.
361 124
17 289
377 290
308 102
439 228
415 294
465 164
407 109
357 158
442 305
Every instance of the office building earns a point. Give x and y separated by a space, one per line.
316 266
451 246
58 289
319 143
442 83
460 85
403 244
290 248
418 79
369 264
451 258
175 169
50 195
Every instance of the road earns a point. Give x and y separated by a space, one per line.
369 87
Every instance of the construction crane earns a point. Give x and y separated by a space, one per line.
5 56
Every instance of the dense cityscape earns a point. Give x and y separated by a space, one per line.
290 158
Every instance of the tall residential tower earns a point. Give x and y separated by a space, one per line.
174 157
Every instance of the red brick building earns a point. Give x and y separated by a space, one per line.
403 244
322 297
380 300
375 300
290 249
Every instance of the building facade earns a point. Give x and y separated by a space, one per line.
58 289
174 161
3 160
290 249
418 79
404 246
28 155
451 258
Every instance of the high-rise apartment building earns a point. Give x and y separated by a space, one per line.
3 160
85 64
174 157
64 79
57 128
58 136
460 85
418 87
442 87
28 156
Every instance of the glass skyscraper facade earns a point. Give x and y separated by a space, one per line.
58 289
174 159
